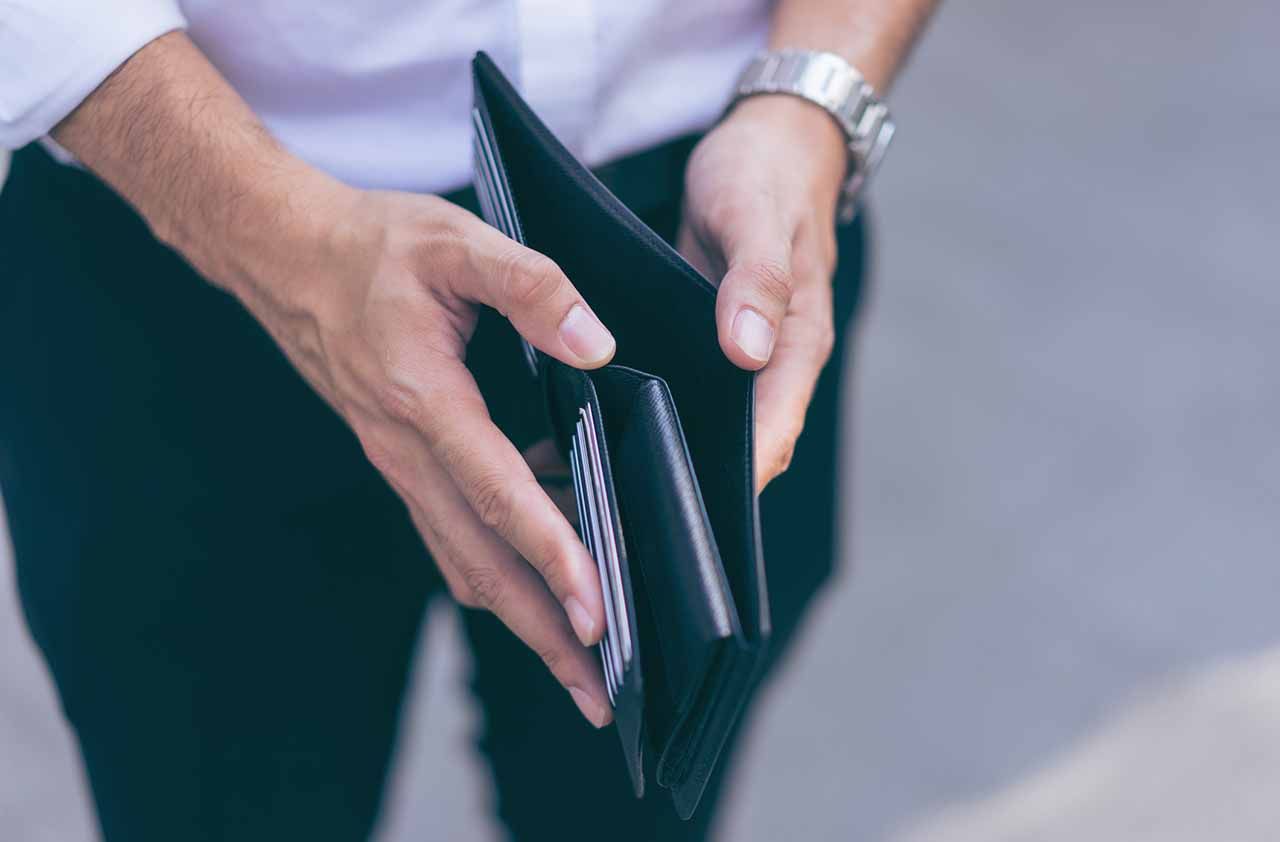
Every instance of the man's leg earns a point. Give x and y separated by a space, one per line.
226 594
241 690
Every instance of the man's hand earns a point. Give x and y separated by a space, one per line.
373 296
380 329
760 196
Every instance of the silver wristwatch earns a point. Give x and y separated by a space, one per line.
836 86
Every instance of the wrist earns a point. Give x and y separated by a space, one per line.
818 156
261 231
839 89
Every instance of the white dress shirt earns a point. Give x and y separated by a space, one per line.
378 92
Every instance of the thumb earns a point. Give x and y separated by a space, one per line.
542 304
756 291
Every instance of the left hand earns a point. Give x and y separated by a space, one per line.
760 201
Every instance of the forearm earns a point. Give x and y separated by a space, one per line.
873 35
170 135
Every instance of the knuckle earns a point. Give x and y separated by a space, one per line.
425 237
551 656
463 596
785 448
486 587
491 499
400 402
447 250
783 460
383 458
530 280
790 442
771 280
553 566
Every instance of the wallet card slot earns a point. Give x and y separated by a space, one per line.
683 601
577 424
588 527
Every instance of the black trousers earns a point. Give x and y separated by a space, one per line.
227 594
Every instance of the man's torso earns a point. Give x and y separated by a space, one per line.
378 93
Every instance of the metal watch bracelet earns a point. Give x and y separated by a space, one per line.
836 86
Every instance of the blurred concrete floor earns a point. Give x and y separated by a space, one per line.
1059 616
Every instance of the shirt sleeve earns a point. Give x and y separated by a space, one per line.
54 53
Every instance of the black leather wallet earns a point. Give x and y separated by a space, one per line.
660 443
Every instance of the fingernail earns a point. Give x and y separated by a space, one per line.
583 626
585 336
753 333
596 713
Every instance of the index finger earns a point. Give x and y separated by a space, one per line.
513 592
497 483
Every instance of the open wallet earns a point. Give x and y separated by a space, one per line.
660 445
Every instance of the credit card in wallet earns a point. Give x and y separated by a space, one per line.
596 520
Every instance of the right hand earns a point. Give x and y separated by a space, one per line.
378 322
373 297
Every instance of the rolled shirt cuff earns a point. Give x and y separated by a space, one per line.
54 53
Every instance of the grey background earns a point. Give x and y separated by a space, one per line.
1058 618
